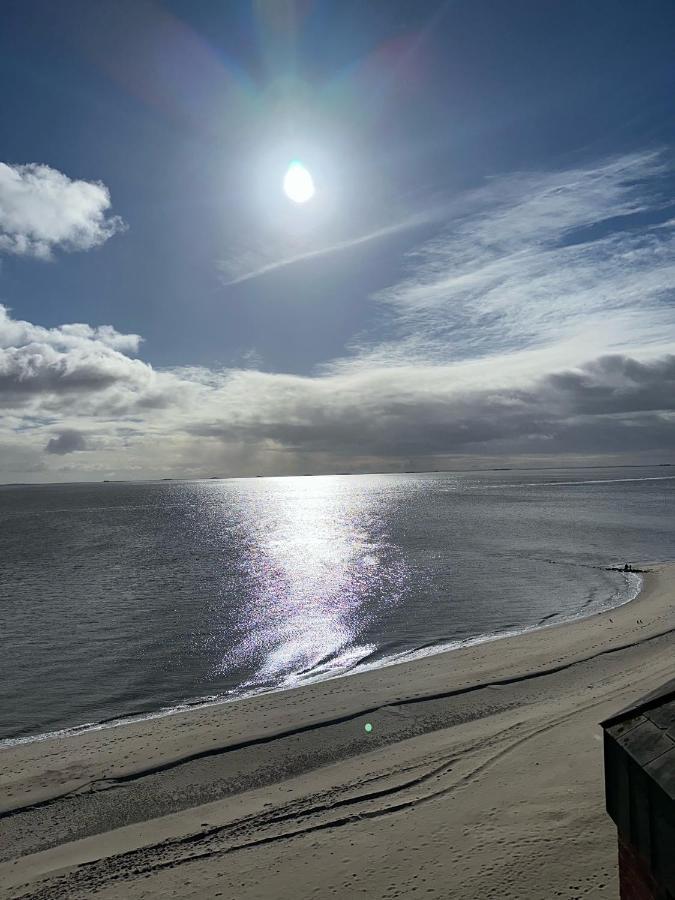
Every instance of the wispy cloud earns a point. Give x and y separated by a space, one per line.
584 256
247 266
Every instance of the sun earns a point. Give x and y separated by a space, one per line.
298 183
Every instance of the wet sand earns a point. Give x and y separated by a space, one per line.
481 778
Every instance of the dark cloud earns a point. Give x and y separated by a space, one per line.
66 442
616 384
613 404
39 369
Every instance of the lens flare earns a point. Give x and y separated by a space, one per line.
298 183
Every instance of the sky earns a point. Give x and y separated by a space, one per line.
485 275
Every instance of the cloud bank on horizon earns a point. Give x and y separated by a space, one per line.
536 324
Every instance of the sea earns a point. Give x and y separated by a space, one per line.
123 600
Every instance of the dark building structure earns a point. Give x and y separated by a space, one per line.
640 794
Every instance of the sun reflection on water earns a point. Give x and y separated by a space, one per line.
320 566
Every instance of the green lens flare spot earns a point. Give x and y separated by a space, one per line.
368 727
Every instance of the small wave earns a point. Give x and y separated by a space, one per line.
633 583
587 481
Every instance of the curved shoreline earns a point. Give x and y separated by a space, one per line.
403 658
224 723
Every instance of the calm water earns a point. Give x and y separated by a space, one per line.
120 599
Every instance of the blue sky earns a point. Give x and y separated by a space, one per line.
485 271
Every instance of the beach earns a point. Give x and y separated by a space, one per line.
481 777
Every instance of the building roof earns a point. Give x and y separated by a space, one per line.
640 779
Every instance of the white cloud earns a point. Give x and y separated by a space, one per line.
41 209
38 364
15 332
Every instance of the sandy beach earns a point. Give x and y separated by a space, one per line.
481 778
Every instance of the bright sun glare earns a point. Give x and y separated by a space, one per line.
298 183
